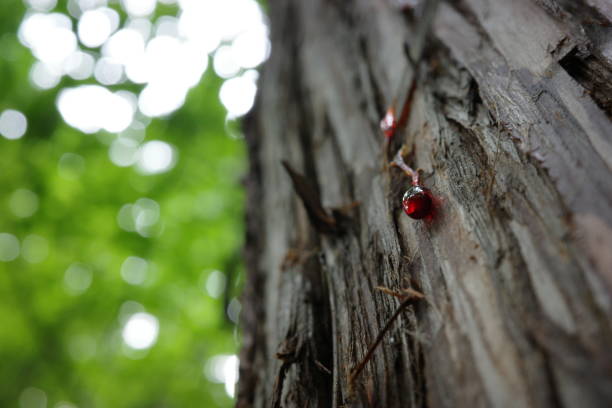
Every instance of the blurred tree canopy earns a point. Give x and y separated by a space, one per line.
112 277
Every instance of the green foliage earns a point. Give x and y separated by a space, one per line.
62 335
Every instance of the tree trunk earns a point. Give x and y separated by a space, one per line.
511 125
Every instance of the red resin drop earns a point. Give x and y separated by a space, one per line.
388 123
417 203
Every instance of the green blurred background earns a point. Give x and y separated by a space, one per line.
121 205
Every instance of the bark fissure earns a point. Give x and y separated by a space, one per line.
595 77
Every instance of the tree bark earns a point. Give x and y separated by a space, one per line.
511 125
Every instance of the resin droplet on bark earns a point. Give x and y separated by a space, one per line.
388 124
417 202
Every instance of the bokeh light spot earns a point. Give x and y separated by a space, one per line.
215 284
141 217
125 220
125 46
79 65
107 72
9 247
142 25
145 213
225 63
233 310
78 278
252 47
43 76
155 157
139 8
85 5
161 99
49 36
238 95
123 151
140 331
91 108
95 26
134 270
42 5
223 369
13 124
23 203
33 398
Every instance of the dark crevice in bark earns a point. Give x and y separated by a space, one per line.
277 392
312 317
555 392
578 11
468 184
319 352
407 275
253 353
470 16
305 376
594 76
345 173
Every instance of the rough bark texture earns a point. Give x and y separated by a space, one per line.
511 124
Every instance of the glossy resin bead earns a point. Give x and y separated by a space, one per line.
388 124
417 202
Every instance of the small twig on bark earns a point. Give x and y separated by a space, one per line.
319 217
308 193
413 293
398 161
409 297
322 367
391 292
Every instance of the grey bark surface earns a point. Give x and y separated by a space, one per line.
511 125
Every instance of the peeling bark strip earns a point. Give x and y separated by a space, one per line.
511 123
